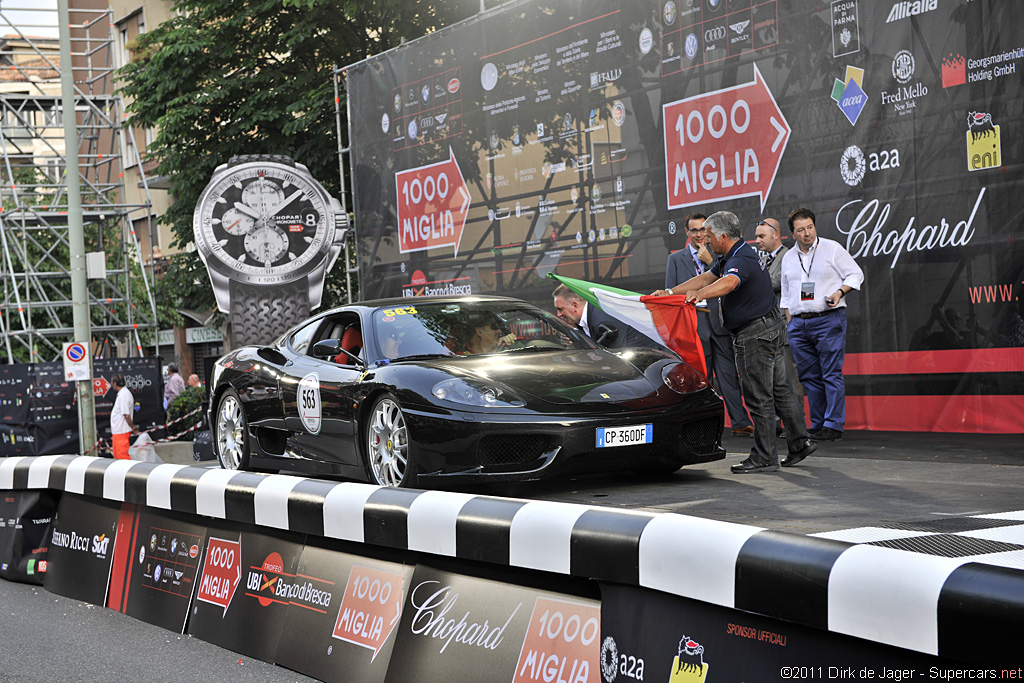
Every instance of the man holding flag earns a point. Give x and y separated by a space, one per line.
758 332
667 321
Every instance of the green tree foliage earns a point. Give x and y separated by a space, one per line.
228 77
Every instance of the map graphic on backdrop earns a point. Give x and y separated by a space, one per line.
576 136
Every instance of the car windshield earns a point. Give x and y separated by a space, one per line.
469 328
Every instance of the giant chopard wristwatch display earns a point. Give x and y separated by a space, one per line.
268 233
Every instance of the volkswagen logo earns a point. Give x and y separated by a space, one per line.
713 34
691 45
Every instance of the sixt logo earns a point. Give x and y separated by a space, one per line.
910 8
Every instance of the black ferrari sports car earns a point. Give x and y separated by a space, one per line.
417 392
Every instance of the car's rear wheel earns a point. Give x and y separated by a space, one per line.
389 450
231 433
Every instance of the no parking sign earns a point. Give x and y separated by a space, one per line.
76 362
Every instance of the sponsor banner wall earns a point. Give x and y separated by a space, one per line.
82 548
576 136
156 558
39 413
493 631
651 636
248 584
26 521
341 620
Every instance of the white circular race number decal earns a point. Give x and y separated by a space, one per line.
310 408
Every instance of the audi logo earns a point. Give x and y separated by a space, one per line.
713 34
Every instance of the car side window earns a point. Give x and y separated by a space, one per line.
302 337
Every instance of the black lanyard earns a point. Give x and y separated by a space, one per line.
799 255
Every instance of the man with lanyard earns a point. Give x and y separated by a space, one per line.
816 277
121 425
751 316
688 262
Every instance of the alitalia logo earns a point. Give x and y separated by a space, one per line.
910 8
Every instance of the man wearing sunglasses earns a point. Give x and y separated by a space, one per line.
689 262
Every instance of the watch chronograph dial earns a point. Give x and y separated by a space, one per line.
264 222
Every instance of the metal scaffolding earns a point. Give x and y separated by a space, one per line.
35 280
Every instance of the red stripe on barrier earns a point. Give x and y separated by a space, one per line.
124 549
933 362
963 414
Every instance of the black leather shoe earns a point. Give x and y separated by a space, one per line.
748 466
794 457
827 434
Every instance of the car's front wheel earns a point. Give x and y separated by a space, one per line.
230 433
389 450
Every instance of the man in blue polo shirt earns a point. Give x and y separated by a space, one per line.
758 333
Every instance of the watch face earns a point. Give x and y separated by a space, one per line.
263 223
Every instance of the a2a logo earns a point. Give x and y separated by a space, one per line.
854 164
614 663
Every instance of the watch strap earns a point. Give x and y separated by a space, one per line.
261 314
247 158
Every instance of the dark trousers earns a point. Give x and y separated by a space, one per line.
766 388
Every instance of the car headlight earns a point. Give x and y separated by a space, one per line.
473 392
683 379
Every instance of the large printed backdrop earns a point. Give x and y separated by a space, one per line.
576 136
38 410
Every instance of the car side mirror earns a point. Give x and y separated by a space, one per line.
327 348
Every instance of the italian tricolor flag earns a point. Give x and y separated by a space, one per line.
668 320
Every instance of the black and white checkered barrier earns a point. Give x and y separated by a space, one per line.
923 602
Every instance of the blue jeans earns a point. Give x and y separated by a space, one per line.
819 349
766 388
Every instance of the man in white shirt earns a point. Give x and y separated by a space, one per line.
816 277
121 425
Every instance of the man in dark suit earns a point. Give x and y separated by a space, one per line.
688 262
596 324
771 250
